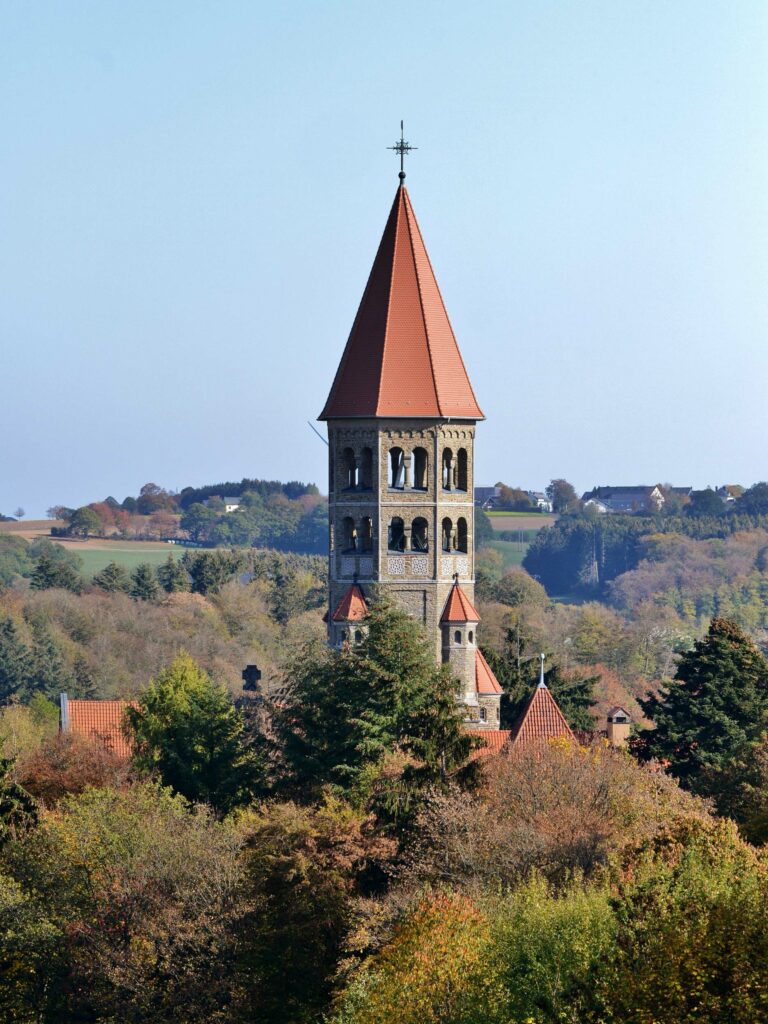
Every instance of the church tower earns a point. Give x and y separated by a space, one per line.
401 418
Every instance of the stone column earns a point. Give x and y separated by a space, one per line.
407 456
407 535
449 474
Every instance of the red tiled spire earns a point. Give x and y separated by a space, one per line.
352 607
401 358
541 720
458 607
485 681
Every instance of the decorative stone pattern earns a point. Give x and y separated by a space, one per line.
419 581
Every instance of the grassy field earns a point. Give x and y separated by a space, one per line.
520 520
96 552
128 554
511 551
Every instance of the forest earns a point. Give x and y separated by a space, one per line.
335 848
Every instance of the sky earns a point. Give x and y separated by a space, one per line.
191 196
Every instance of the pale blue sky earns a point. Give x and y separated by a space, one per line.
191 195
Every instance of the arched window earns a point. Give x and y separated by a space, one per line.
471 637
366 469
358 636
350 469
447 469
461 469
419 539
457 636
397 468
461 535
420 469
483 715
348 527
396 535
447 532
366 533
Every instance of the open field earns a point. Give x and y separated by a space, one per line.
520 520
30 528
129 554
511 551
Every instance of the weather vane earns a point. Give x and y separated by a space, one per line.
402 147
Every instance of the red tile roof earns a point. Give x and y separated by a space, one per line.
485 680
541 720
401 358
101 720
352 606
458 607
495 741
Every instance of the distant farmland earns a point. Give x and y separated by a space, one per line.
519 529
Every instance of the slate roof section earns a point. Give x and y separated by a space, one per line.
541 721
100 721
485 681
458 607
352 607
401 358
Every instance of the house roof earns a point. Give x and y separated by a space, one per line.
401 358
542 720
617 709
485 681
101 721
352 607
494 742
458 607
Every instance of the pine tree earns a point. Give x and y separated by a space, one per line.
344 714
15 661
519 677
188 730
18 811
172 576
716 706
52 572
113 578
49 674
143 583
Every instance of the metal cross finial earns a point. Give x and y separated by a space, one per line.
402 147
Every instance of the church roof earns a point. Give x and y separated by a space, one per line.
401 358
458 607
541 720
352 607
485 680
494 742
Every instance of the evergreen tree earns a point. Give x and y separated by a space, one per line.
112 578
716 706
15 661
187 729
172 576
52 572
518 674
345 714
83 685
49 673
18 811
210 570
143 583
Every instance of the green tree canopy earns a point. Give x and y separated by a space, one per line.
112 578
172 576
343 712
144 585
187 729
716 705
